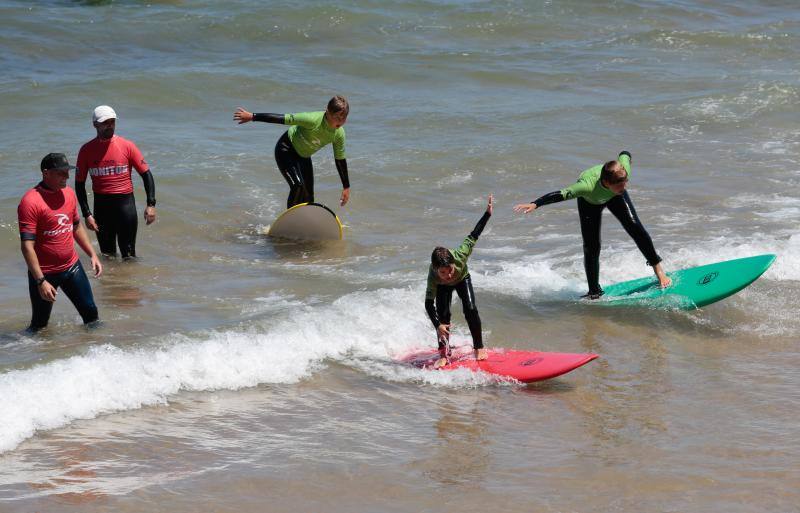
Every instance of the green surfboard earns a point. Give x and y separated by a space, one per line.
694 287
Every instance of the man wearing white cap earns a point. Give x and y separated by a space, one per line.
108 159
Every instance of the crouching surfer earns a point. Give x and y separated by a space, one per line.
448 271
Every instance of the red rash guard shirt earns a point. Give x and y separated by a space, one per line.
50 216
109 163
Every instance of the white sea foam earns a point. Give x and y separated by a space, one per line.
775 147
781 213
671 134
351 329
275 301
556 275
455 178
773 199
751 101
108 379
504 251
532 277
785 268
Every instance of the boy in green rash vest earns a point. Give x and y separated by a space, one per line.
308 133
599 187
448 272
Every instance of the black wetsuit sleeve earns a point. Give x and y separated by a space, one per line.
476 232
267 117
431 309
341 167
550 197
83 200
149 188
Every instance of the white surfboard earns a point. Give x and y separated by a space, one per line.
307 221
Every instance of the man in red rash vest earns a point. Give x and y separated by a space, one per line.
49 225
108 159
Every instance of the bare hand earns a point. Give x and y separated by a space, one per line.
242 116
525 208
481 354
150 215
47 291
345 197
97 267
92 224
490 206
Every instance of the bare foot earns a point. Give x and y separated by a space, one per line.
441 362
481 354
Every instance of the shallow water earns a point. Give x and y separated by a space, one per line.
235 373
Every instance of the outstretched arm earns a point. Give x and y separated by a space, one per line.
476 232
242 116
550 197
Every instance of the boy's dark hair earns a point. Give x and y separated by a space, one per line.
338 104
613 172
441 257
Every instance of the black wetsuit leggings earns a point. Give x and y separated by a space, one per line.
591 215
75 285
116 217
444 295
296 170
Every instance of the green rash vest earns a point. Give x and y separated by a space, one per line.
460 256
310 132
589 187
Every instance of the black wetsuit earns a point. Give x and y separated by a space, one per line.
591 216
116 216
298 171
439 312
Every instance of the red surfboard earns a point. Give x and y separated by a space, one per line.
524 366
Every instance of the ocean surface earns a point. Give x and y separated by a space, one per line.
234 373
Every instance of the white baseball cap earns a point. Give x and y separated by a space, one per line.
103 113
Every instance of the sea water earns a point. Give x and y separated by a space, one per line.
236 373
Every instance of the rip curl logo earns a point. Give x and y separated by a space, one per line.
528 363
62 220
708 278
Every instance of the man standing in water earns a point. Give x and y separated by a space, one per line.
108 159
48 226
599 187
310 132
